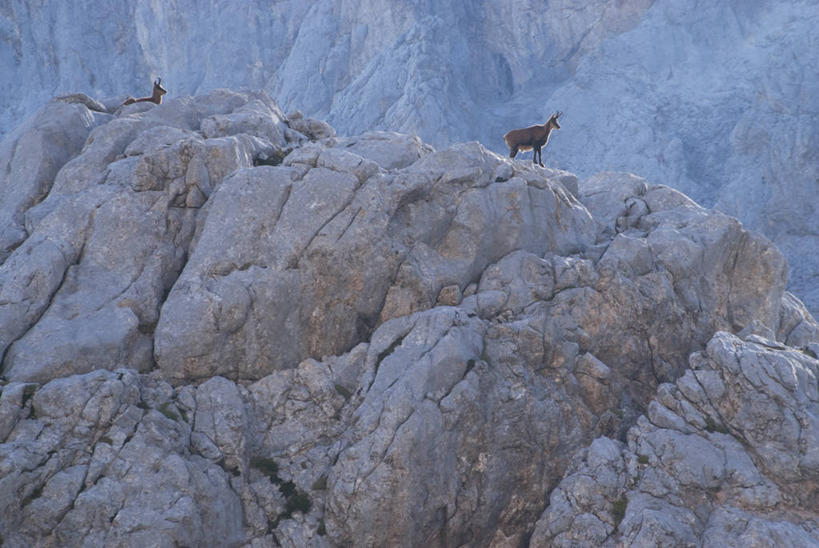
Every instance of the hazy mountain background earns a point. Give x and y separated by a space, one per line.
716 98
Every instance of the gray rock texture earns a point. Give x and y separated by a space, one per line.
726 456
225 325
103 239
717 99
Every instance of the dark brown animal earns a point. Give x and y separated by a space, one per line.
532 138
156 97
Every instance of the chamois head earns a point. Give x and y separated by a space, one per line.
159 91
553 123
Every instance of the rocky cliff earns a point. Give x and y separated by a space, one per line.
223 325
717 99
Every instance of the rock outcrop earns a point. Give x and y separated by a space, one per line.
717 99
224 325
726 456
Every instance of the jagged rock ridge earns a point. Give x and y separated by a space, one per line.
213 313
717 99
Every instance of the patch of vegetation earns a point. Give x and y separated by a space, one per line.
297 502
618 510
287 489
166 410
320 484
345 393
268 467
33 496
387 351
642 459
322 529
107 439
28 392
711 426
147 328
470 364
272 160
142 405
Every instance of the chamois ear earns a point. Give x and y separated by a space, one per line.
558 114
158 82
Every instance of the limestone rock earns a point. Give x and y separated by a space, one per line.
30 159
313 129
83 291
727 455
216 326
717 101
331 245
111 466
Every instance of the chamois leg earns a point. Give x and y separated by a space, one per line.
539 154
513 152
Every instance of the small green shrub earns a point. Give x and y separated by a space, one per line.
618 510
28 392
268 467
272 160
322 529
345 393
642 459
166 410
298 502
321 483
33 496
712 426
387 351
287 489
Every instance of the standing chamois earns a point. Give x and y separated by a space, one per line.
156 97
532 138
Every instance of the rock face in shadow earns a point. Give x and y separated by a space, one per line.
224 325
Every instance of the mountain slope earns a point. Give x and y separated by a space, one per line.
221 325
716 99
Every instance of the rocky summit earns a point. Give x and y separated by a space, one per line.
224 325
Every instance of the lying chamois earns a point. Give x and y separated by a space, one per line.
159 91
532 138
